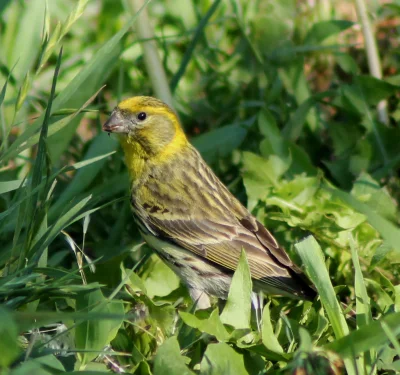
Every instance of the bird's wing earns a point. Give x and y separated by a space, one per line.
209 221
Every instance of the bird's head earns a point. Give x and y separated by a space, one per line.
146 125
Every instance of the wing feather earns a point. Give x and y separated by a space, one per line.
209 221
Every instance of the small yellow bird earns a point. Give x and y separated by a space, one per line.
188 216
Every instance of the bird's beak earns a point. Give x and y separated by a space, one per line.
116 124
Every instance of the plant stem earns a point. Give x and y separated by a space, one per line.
372 54
152 59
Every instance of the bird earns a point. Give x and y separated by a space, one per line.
188 216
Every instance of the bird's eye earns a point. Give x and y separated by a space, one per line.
141 116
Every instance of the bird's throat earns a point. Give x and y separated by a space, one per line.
136 157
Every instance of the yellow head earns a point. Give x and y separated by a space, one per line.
148 124
149 131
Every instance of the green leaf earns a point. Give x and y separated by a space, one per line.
374 89
94 335
294 127
364 316
362 300
190 49
46 365
259 174
212 325
380 254
313 260
210 145
268 335
6 186
168 360
158 278
387 229
369 191
9 338
100 146
27 39
237 310
79 90
371 336
325 29
221 359
55 229
273 143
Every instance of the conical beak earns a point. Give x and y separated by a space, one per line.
116 124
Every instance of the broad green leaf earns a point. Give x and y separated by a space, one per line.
379 255
374 89
268 335
210 145
369 191
9 338
158 278
273 143
294 157
305 340
237 310
93 335
3 5
221 359
30 320
325 29
46 365
212 325
260 174
169 361
294 127
27 40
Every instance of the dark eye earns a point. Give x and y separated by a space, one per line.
141 116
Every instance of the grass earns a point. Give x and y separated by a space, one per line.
288 116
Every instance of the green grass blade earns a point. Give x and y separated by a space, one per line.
364 316
36 209
371 336
190 49
313 260
7 186
80 88
101 145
